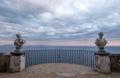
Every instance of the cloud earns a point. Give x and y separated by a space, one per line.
59 20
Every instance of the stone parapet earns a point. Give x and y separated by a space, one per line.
4 62
115 62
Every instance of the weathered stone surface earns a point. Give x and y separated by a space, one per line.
102 63
17 63
22 61
4 62
115 62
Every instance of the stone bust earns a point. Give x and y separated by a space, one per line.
101 42
19 42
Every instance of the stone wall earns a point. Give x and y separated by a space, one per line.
4 62
115 62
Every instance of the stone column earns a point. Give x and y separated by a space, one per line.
17 62
102 61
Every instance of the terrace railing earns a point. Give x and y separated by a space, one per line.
83 57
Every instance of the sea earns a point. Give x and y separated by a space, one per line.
11 48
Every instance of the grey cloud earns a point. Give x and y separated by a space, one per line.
34 23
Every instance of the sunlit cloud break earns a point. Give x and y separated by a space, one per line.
55 22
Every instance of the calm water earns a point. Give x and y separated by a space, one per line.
10 48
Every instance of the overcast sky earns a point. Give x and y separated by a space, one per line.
60 22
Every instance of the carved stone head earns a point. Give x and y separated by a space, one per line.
18 35
100 35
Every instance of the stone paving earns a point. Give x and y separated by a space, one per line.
58 71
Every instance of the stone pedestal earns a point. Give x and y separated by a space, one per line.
102 61
17 62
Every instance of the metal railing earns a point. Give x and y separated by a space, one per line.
83 57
